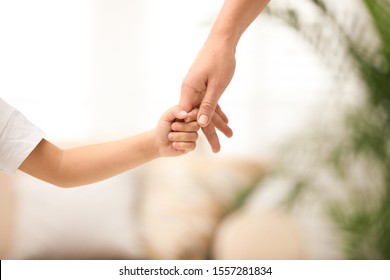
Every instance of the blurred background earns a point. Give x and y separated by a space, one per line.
305 176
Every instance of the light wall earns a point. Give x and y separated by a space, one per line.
87 71
97 70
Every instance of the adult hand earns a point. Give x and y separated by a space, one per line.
204 84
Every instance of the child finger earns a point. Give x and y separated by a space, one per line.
184 146
180 113
182 136
192 116
174 113
186 127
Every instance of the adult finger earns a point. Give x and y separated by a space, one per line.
208 106
221 125
188 98
219 111
212 137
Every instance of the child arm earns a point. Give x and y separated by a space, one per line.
92 163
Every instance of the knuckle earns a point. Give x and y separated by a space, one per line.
208 106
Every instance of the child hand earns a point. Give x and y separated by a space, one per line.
176 132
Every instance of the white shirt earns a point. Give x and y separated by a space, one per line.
18 138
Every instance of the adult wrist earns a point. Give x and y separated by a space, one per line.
223 40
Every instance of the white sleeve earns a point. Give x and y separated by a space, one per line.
18 138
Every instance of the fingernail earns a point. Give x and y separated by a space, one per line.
203 120
183 113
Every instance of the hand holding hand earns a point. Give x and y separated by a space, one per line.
204 84
173 136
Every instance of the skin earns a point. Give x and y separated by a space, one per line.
92 163
214 66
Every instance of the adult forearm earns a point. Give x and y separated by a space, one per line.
234 18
